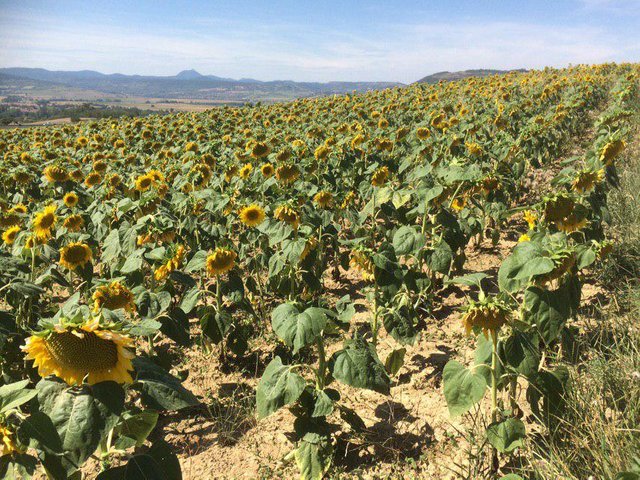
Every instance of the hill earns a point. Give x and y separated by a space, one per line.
452 76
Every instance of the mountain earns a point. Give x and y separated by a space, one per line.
189 84
452 76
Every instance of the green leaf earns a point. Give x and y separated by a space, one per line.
111 247
13 395
507 435
17 466
407 240
82 416
137 426
395 361
469 280
520 351
279 386
463 387
160 389
197 262
439 260
525 261
358 365
398 322
190 299
38 432
313 456
298 329
547 311
133 263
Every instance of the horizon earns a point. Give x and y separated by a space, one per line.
333 42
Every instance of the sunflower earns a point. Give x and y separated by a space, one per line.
587 180
380 177
19 208
143 183
267 170
231 172
473 148
459 203
260 150
423 133
611 150
287 174
488 316
174 263
73 223
9 236
44 222
322 152
113 297
524 238
55 174
220 261
73 351
309 246
572 223
75 255
246 170
348 200
287 215
70 199
252 215
324 199
76 175
93 179
361 261
8 443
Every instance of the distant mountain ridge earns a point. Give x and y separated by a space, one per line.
190 84
452 76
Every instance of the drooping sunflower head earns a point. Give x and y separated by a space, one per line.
44 222
611 150
287 174
487 315
349 198
252 215
361 261
70 199
380 177
9 235
74 350
113 296
586 180
558 208
220 261
324 199
55 174
288 215
74 255
423 133
73 223
260 150
93 179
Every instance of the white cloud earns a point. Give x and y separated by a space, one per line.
403 52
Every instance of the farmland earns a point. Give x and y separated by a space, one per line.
370 285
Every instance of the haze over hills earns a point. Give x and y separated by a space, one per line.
186 84
452 76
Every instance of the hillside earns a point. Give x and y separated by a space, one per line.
186 84
451 76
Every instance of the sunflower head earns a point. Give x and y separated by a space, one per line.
361 261
93 179
143 183
288 215
287 174
260 150
267 170
324 199
611 150
587 180
73 223
246 170
9 235
252 215
74 255
113 296
487 315
44 222
531 217
380 177
8 442
220 261
70 199
75 349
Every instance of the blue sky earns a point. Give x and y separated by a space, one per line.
318 40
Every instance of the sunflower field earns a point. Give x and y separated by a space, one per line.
252 231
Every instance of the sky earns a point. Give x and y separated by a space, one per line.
303 40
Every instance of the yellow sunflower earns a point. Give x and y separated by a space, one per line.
267 170
530 217
260 150
252 215
44 222
75 255
9 235
586 181
611 150
324 199
362 262
143 183
113 296
93 179
8 444
75 351
55 174
70 199
246 170
220 261
287 174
